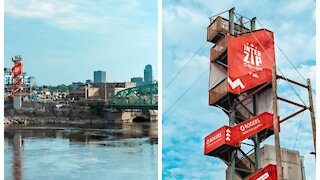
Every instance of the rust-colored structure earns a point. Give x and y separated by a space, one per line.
243 83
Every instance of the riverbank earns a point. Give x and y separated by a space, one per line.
43 113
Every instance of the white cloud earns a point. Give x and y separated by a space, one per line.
59 13
77 14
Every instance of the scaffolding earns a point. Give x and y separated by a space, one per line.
243 83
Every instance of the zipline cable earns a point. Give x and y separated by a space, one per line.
184 66
284 54
184 93
287 58
270 59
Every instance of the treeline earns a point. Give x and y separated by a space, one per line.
58 88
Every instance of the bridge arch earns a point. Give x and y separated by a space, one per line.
140 119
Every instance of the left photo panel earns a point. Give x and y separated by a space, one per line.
80 89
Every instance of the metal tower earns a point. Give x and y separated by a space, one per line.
243 83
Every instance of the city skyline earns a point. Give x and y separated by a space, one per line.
82 81
64 40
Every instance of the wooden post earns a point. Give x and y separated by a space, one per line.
313 119
276 123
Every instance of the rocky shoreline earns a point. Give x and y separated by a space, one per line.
52 115
15 120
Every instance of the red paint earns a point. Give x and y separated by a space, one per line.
250 62
19 80
17 90
16 70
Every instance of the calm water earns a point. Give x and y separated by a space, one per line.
77 153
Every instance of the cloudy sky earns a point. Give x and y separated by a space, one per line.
190 119
65 41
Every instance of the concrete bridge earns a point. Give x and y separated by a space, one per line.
135 122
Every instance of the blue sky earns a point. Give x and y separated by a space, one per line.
191 119
65 41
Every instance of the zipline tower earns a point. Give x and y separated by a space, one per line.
243 83
16 85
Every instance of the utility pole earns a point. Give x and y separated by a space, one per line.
276 123
313 119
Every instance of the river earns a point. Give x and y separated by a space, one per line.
57 152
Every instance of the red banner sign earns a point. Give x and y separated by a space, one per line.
222 136
228 135
250 60
267 173
16 70
252 126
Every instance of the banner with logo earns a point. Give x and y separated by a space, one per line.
250 60
252 126
232 135
220 137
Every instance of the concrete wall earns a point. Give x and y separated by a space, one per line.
291 162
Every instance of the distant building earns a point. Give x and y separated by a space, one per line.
99 91
99 76
88 81
148 74
76 85
137 80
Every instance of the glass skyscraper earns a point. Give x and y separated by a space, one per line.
148 74
99 76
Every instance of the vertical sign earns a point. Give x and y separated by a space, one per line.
250 60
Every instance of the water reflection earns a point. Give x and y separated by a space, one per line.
17 143
30 150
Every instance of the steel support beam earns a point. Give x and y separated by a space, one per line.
292 81
231 21
256 137
291 102
292 115
253 93
253 24
232 167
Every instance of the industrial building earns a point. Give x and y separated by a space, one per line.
292 162
99 91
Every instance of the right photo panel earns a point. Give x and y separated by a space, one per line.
239 88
